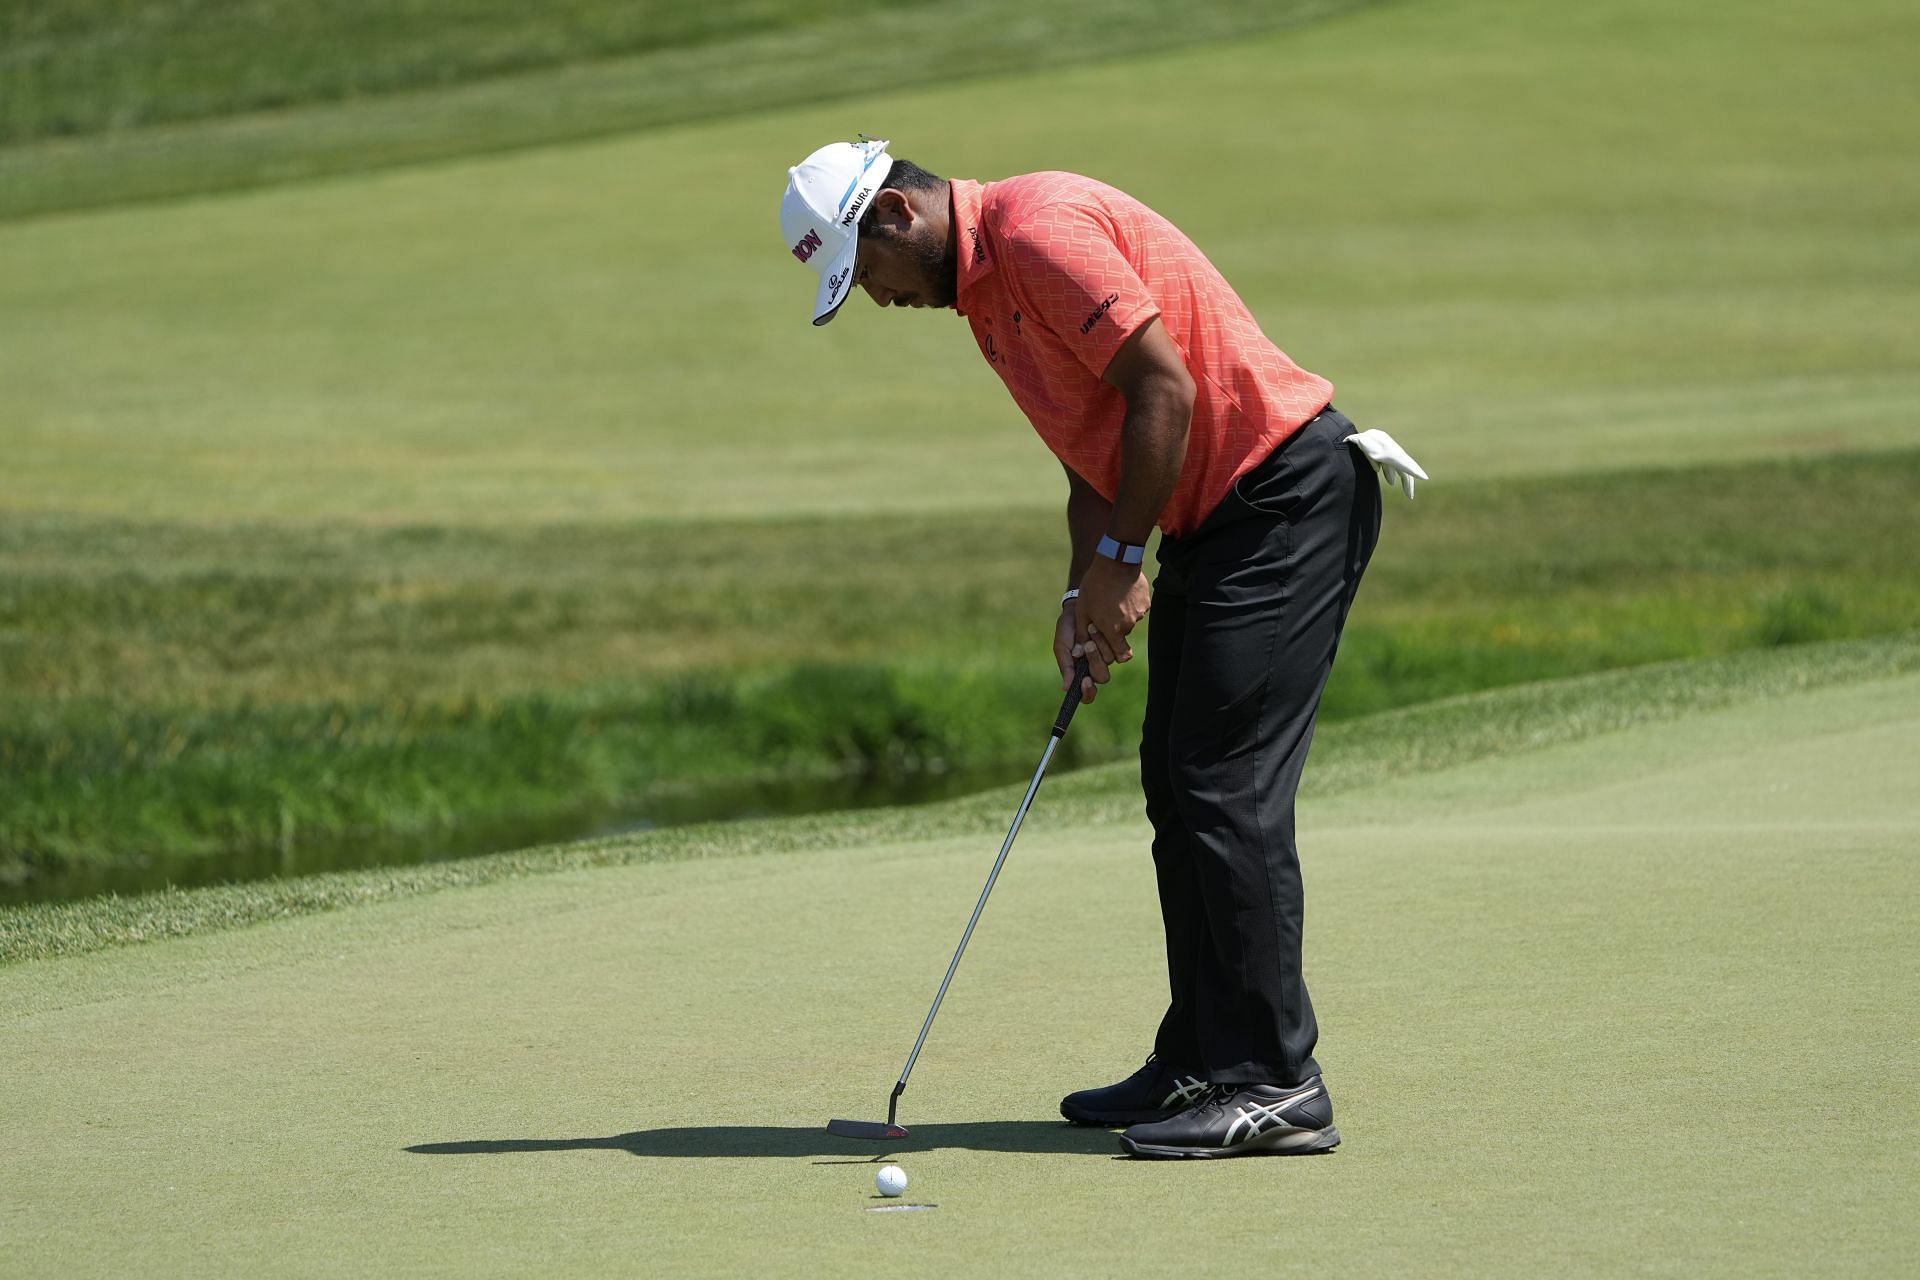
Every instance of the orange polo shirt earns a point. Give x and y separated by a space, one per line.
1056 271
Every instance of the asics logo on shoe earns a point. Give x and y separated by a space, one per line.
1259 1117
1186 1091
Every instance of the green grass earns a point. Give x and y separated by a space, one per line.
519 480
102 103
366 504
94 67
1512 258
1348 756
183 692
1564 1018
1588 570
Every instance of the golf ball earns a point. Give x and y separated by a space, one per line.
891 1180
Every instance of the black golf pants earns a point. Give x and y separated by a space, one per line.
1247 613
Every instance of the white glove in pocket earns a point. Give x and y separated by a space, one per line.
1396 464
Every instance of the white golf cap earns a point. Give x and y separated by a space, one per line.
820 214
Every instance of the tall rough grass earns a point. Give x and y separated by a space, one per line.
174 692
1348 755
114 101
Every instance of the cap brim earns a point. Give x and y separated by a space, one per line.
836 282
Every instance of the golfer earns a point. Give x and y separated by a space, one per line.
1149 379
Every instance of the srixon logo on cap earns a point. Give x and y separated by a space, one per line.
808 243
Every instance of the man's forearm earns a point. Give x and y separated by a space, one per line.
1151 373
1153 446
1088 515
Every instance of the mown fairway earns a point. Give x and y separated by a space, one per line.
519 486
1527 239
1637 1003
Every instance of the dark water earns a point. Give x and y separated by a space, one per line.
760 800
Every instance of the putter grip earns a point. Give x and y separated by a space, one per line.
1072 699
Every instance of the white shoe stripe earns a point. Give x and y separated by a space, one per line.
1185 1093
1262 1116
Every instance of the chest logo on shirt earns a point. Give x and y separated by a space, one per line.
1086 326
993 353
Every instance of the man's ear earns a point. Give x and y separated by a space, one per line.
892 209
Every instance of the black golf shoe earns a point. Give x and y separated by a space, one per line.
1154 1092
1242 1120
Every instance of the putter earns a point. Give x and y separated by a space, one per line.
874 1130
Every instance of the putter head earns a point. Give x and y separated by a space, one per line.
869 1130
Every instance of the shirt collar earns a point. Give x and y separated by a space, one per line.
975 255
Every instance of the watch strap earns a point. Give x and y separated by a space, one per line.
1125 552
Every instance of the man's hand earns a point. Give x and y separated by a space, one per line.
1113 598
1066 650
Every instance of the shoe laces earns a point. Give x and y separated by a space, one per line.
1216 1097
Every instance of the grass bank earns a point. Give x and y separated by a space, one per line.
1597 570
1347 756
181 692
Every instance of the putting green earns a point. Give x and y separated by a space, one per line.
1638 1003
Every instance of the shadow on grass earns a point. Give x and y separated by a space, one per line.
811 1140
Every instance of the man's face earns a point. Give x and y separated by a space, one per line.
904 260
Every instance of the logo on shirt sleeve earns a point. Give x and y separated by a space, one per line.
1086 326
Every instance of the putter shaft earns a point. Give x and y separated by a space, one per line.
1059 731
